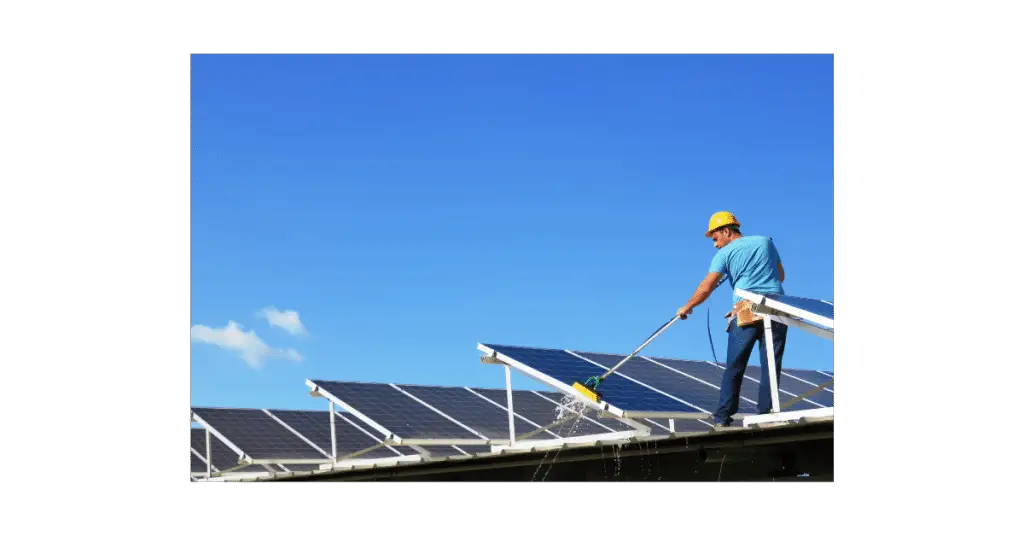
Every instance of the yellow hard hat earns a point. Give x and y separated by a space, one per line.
721 219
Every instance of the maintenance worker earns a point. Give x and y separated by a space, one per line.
751 263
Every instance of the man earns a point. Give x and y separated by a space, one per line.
751 263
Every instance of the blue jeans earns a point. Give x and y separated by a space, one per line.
741 344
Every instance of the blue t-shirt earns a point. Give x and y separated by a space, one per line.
751 263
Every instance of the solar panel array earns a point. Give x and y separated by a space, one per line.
469 420
457 414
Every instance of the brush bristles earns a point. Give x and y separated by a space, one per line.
585 391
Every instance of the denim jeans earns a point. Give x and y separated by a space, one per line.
741 344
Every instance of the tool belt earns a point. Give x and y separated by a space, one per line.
744 315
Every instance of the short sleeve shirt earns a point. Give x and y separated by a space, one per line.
751 263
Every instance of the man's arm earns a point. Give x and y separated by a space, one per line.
704 290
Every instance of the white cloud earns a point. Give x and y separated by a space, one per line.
251 348
286 320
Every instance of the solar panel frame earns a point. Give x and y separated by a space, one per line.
616 386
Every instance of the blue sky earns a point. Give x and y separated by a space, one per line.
409 207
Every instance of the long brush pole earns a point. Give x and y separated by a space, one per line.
637 351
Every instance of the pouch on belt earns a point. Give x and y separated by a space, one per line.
745 316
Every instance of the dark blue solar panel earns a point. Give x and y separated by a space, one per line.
257 434
708 373
818 307
197 465
395 411
713 375
669 381
796 387
615 390
751 386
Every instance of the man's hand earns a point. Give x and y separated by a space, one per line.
706 287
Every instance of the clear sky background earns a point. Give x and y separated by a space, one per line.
406 208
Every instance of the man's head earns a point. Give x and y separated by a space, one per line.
722 236
723 228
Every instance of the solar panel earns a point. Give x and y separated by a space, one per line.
542 412
197 465
563 369
712 374
788 388
397 413
257 434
